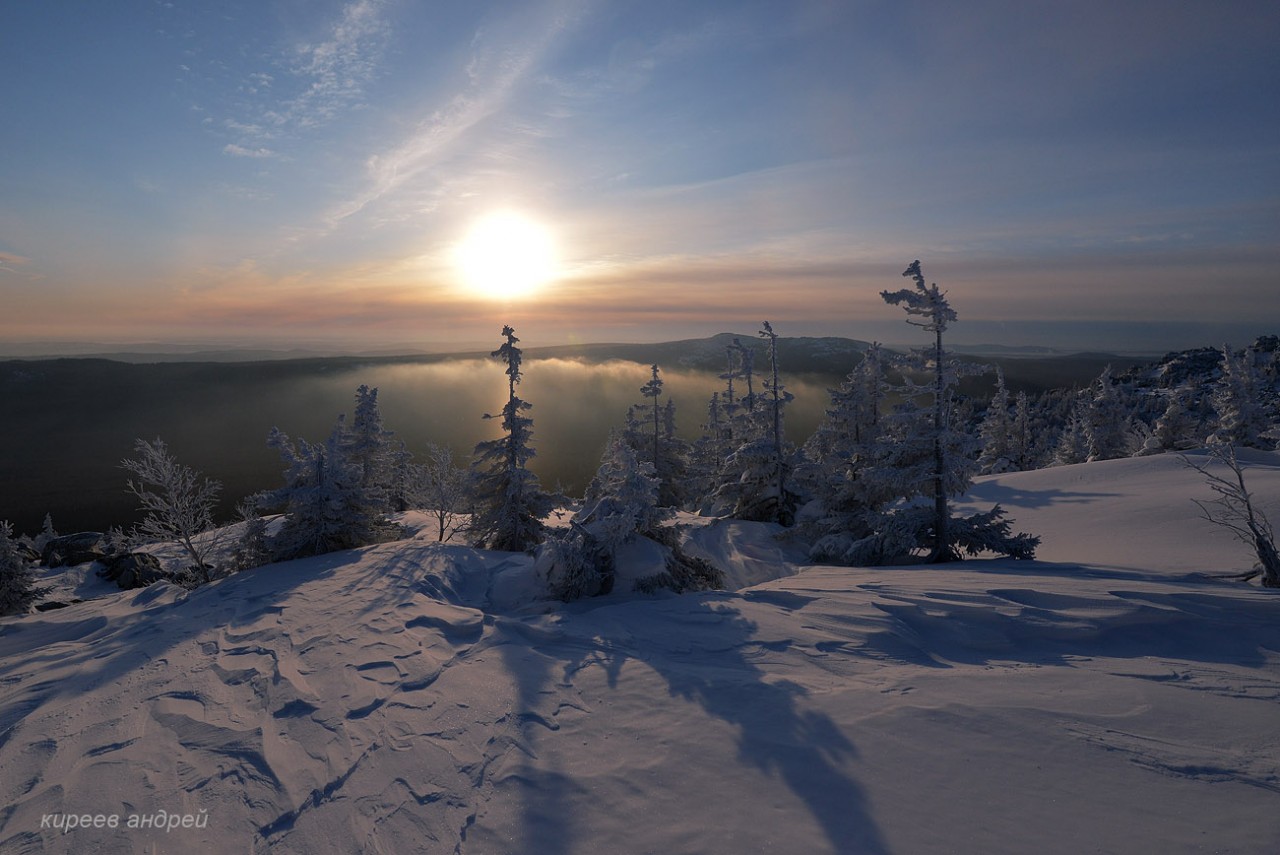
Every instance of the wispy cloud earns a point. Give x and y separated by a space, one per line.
495 69
11 262
339 67
313 83
242 151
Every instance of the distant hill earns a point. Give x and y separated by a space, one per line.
799 355
73 419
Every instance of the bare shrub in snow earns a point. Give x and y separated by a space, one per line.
1234 510
442 489
178 502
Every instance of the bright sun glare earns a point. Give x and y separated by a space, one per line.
505 255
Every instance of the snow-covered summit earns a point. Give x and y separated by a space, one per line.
408 697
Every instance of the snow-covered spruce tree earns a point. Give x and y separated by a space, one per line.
1242 420
708 453
47 533
653 391
1021 441
1073 443
324 499
853 417
996 433
745 360
177 502
730 404
368 447
1177 427
929 303
620 502
833 471
945 470
651 431
1106 420
18 591
253 549
509 504
404 474
754 478
1234 510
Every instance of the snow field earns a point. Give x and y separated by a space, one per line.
413 697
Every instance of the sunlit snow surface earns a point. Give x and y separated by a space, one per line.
408 698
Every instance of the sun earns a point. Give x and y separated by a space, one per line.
505 255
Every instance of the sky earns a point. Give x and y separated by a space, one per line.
1073 174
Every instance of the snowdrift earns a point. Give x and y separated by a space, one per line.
408 697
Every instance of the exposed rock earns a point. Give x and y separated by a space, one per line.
132 570
72 549
50 605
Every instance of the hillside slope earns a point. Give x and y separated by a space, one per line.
405 697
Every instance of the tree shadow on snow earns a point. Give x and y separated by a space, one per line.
707 653
1012 498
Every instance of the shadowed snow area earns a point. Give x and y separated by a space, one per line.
410 697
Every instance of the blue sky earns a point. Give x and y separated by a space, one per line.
1092 174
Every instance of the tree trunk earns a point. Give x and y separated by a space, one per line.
942 541
1268 559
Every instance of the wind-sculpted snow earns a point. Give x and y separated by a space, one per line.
414 697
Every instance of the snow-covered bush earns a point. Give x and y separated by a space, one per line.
906 534
18 591
326 505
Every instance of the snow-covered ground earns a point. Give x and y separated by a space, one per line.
407 698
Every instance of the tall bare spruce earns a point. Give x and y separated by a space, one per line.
930 304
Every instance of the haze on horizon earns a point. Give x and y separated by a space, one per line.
1097 175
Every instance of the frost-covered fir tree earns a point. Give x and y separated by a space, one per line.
996 433
1021 441
653 391
18 591
1237 399
509 504
743 359
253 548
853 417
1106 420
620 502
926 458
369 447
675 488
1177 428
838 453
754 477
929 304
324 500
47 533
708 453
1073 443
650 429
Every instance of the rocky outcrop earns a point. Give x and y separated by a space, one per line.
73 549
132 569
